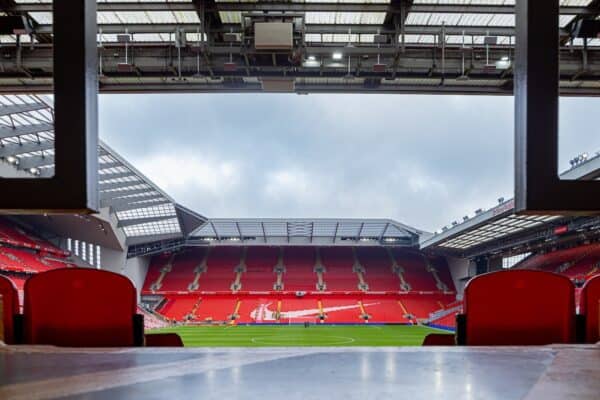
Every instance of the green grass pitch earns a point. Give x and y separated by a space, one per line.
298 335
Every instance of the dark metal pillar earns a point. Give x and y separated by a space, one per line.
73 189
76 100
538 188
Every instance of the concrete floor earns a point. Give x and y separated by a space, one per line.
302 373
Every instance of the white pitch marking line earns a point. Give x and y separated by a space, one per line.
285 341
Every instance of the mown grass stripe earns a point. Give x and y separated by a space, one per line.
286 335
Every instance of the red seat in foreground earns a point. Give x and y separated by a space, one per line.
163 340
519 307
590 308
81 307
439 339
10 301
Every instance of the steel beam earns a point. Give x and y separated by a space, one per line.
119 185
145 220
301 7
21 108
14 149
109 165
112 202
116 175
35 161
138 205
115 194
7 131
310 29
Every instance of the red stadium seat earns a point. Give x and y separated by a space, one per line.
519 307
439 339
163 340
590 308
10 301
80 307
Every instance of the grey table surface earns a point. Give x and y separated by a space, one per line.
505 373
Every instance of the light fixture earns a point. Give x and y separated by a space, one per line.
13 160
34 171
337 55
504 58
312 58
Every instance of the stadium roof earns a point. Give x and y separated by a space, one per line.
141 208
501 222
306 231
431 46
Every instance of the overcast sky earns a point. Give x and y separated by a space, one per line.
422 160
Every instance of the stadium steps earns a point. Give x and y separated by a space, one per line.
198 271
431 269
363 312
322 315
358 269
564 268
279 269
319 269
236 285
192 315
278 312
399 271
163 272
235 315
405 313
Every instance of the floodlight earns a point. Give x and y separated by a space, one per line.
34 171
312 58
337 55
13 160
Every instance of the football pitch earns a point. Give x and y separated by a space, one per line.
298 335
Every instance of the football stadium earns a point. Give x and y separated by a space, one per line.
110 288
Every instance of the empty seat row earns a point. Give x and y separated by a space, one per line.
74 307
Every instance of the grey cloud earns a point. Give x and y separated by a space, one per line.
423 160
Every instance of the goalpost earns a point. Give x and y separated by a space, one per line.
301 320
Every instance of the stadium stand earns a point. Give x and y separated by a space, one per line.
177 308
220 266
242 281
215 309
513 308
342 310
260 264
180 278
578 263
338 263
378 272
299 265
415 271
383 310
69 307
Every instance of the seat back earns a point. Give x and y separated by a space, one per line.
519 307
79 307
439 339
589 307
10 301
163 340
